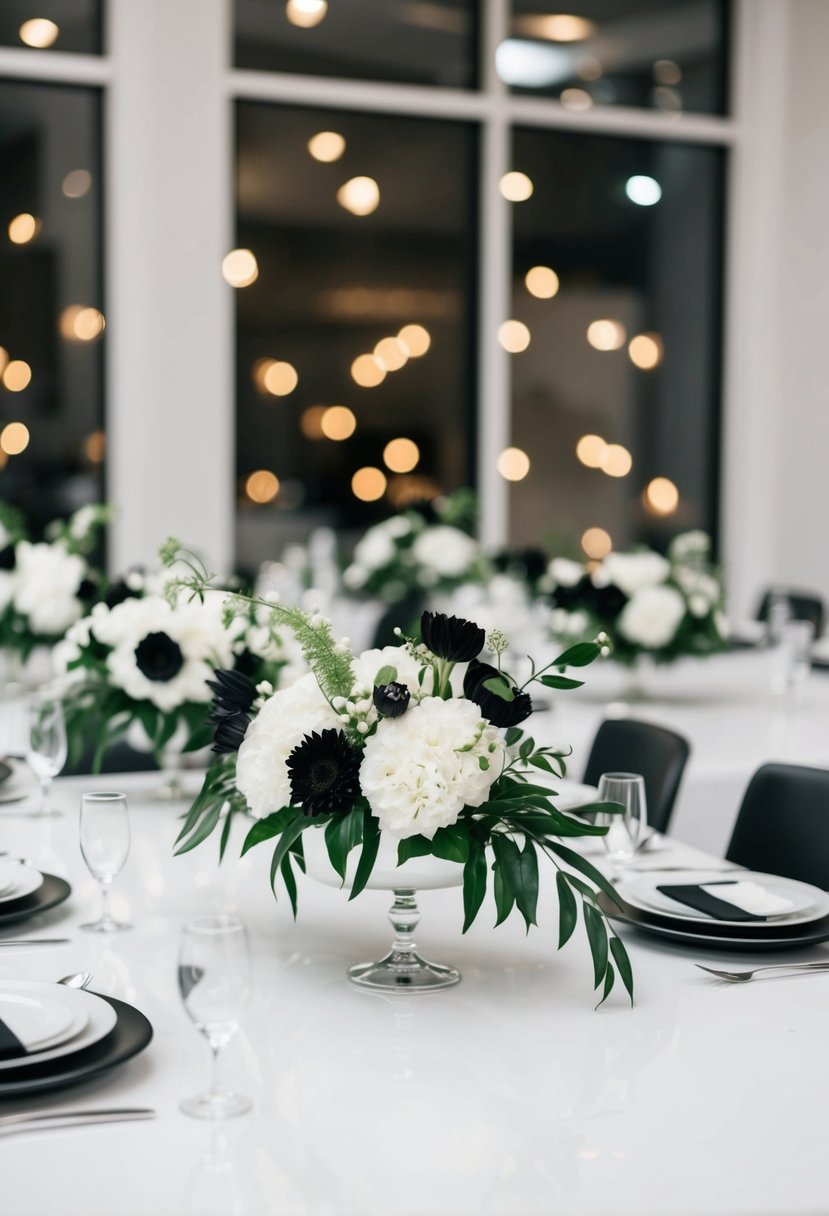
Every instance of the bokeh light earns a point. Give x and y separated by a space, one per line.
556 27
541 282
576 99
338 422
596 543
367 372
643 190
606 334
23 228
17 376
76 183
240 268
359 195
39 32
645 351
516 187
660 497
513 464
262 486
368 484
391 354
14 438
95 446
326 146
616 460
514 336
4 359
310 422
416 339
306 13
280 378
590 450
401 455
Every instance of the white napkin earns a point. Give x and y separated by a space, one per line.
750 897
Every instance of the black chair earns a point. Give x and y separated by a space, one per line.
783 824
120 758
803 606
660 755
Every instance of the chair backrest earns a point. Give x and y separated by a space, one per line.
803 606
660 755
783 824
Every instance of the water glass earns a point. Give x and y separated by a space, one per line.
214 984
792 657
105 845
626 827
46 744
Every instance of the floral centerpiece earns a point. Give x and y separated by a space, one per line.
145 659
419 551
664 607
419 749
46 586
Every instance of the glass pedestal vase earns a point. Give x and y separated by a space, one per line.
402 969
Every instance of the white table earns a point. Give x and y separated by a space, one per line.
506 1095
725 708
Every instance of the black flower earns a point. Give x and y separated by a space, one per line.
495 708
233 696
391 700
450 637
610 601
230 732
158 657
87 589
8 558
325 773
117 592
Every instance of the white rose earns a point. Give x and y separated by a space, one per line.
416 773
631 572
47 578
280 726
564 572
445 550
651 618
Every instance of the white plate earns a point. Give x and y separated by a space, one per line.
34 1017
26 879
808 903
100 1020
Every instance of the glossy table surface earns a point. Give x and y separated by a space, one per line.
506 1095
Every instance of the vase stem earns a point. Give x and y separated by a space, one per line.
403 970
404 915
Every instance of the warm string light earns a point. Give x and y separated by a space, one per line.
94 447
326 146
338 423
516 187
310 422
17 375
280 378
660 496
391 354
240 268
14 438
39 33
359 195
262 486
616 460
81 323
367 372
306 13
645 351
23 228
416 340
590 450
576 99
606 334
542 282
596 543
401 455
513 464
514 336
368 484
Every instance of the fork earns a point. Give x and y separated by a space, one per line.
72 1118
742 977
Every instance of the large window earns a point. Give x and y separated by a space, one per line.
51 310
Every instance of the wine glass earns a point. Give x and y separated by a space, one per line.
214 983
105 844
625 828
46 744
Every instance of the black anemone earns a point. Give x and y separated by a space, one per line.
87 589
117 592
8 558
391 700
610 601
246 663
233 696
495 708
158 657
325 773
450 637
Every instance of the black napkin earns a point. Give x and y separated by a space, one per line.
692 895
10 1045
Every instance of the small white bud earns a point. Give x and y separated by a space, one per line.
362 728
338 702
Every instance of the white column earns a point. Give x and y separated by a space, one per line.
169 181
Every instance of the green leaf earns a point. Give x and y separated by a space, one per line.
371 843
343 833
203 830
583 865
225 836
522 872
504 895
474 882
526 749
513 734
568 912
452 843
578 656
541 761
562 682
289 835
271 826
594 923
386 675
413 846
610 975
620 957
289 879
501 687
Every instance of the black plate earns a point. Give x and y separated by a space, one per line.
131 1034
717 937
52 891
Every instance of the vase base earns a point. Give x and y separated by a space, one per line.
403 973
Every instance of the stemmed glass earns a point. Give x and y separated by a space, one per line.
105 844
46 744
214 983
624 829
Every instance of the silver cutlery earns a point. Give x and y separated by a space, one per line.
742 977
46 1120
80 979
35 941
683 869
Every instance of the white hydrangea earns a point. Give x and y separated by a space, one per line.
447 551
367 665
282 723
46 582
419 771
564 572
196 628
377 548
83 521
652 616
631 572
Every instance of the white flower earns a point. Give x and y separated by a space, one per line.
280 726
377 548
631 572
420 770
569 624
698 605
367 665
354 577
651 618
695 544
445 550
197 631
565 573
83 521
47 578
